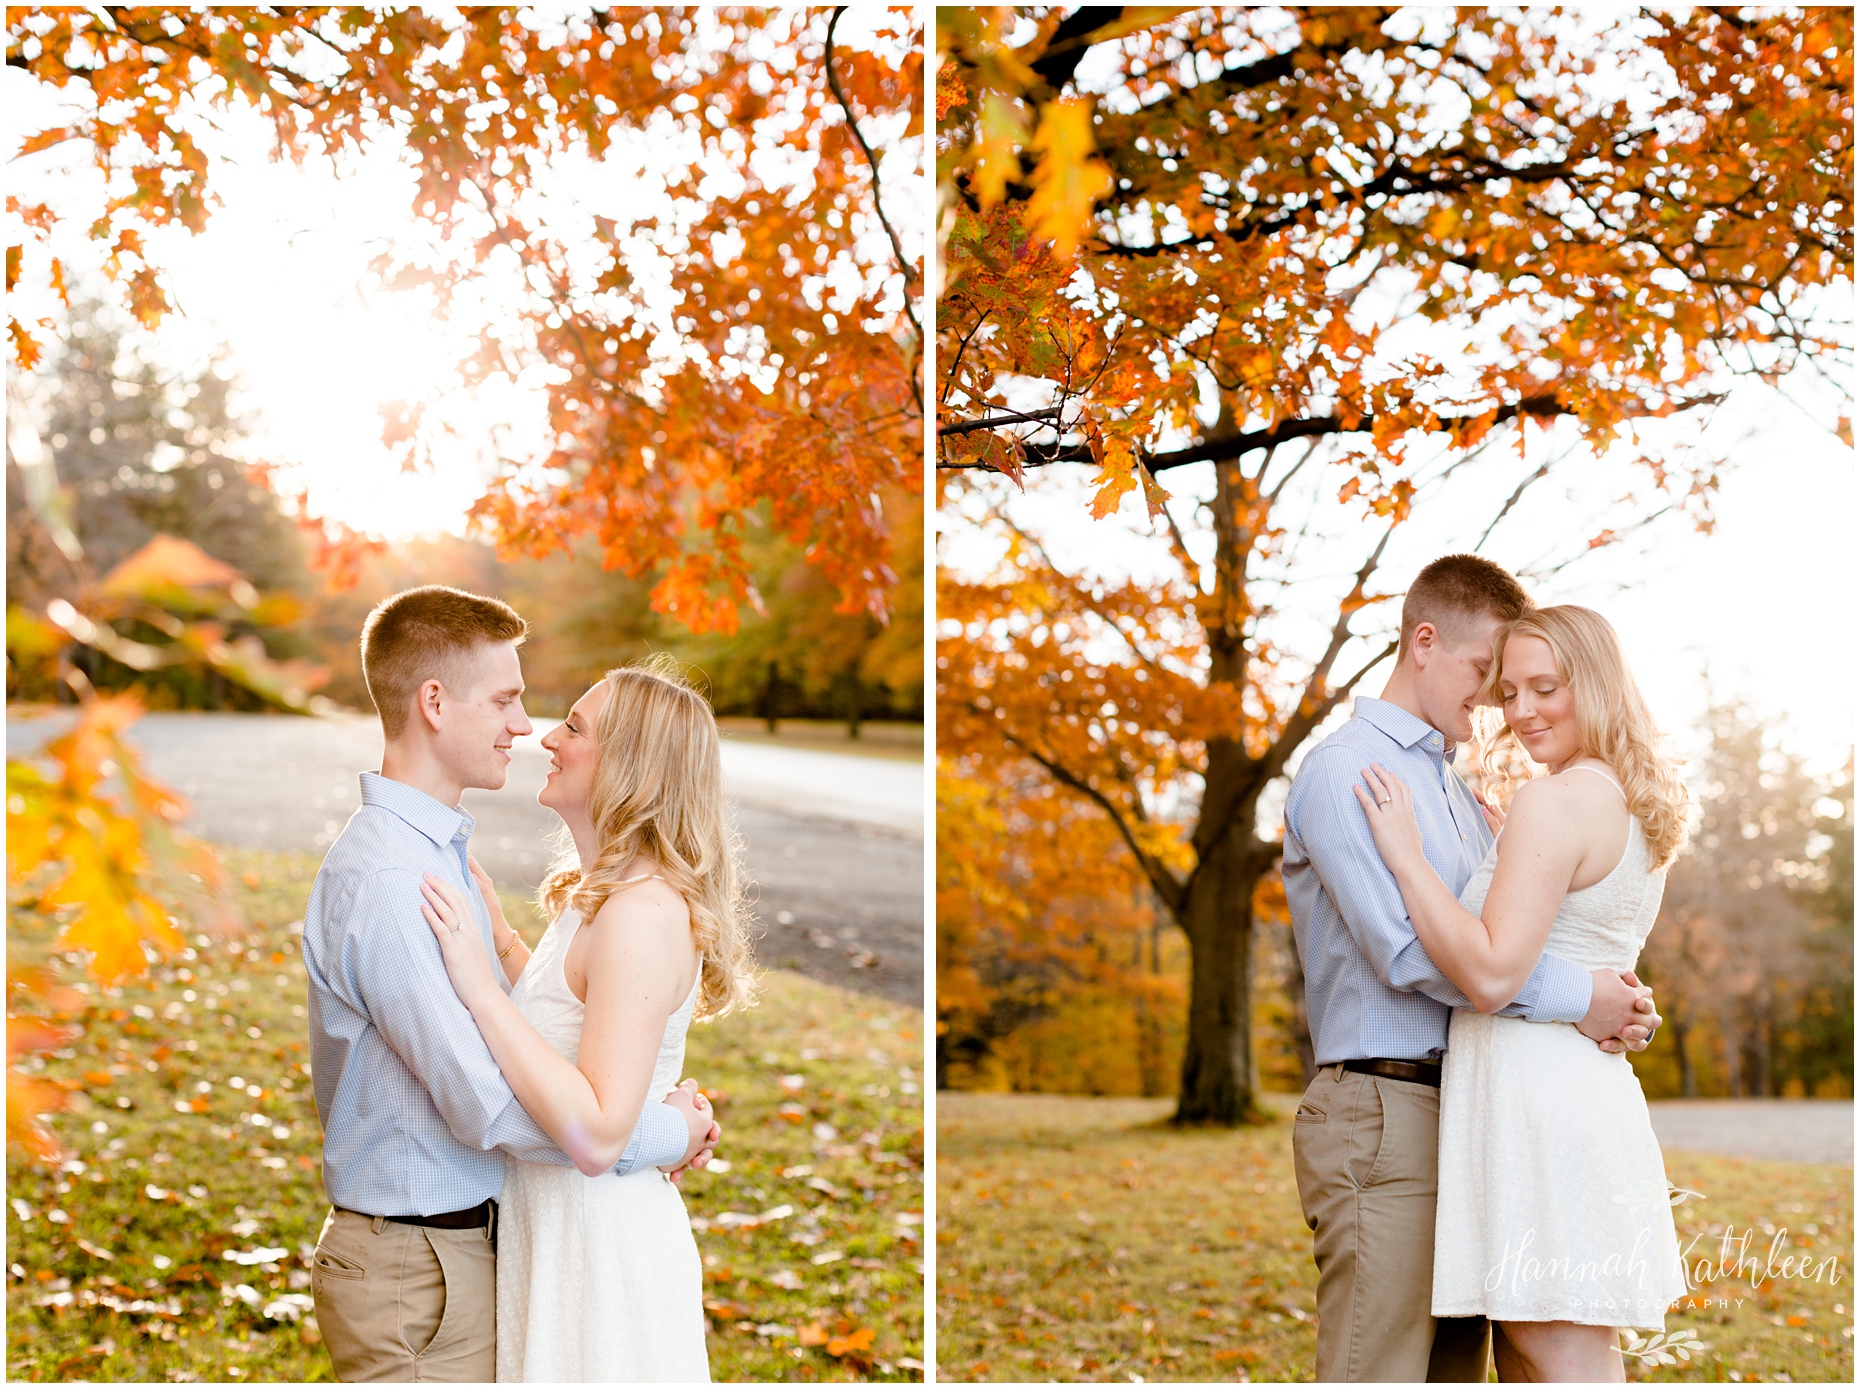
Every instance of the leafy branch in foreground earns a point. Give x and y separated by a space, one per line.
106 874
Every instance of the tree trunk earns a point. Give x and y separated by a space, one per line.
1762 1055
771 709
1688 1077
1220 1067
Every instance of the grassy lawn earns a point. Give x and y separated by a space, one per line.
1078 1239
173 1243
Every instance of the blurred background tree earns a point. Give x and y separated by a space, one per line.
1752 957
799 659
129 457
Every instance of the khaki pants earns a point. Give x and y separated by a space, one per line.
405 1304
1366 1150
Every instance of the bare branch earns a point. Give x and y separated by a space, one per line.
1511 501
878 203
1292 472
1165 884
1318 698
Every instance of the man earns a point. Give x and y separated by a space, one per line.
1365 1140
416 1117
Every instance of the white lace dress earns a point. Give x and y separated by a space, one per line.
598 1278
1553 1197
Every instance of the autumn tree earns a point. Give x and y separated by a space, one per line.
1315 269
1049 968
784 390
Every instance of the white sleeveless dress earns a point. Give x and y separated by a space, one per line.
1553 1198
598 1278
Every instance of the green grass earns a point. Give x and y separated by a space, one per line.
133 1283
1079 1239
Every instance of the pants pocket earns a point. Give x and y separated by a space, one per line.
327 1263
1368 1134
463 1343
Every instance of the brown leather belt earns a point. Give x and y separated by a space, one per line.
1421 1072
475 1218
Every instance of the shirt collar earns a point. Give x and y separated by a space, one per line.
1404 727
439 823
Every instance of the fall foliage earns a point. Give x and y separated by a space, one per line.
1355 259
786 393
94 871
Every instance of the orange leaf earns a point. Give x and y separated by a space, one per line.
853 1344
1069 179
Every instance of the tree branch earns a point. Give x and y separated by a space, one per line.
1051 416
878 204
1164 883
1228 446
1318 698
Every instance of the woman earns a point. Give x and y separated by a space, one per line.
598 1277
1553 1218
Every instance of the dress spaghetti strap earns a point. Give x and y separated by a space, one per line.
1603 775
628 882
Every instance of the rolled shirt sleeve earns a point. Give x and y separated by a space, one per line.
410 999
1334 831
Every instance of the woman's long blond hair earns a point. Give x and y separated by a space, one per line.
1613 723
658 794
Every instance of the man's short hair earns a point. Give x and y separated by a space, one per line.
1455 589
427 633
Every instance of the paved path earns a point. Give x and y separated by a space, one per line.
834 842
1779 1130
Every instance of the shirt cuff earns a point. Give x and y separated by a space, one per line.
660 1138
1566 993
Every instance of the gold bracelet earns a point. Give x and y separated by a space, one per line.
515 940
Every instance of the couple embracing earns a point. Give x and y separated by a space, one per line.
1474 1156
502 1131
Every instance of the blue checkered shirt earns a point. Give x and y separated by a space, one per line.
414 1109
1370 987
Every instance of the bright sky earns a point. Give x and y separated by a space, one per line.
281 280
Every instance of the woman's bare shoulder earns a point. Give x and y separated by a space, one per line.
1551 802
650 911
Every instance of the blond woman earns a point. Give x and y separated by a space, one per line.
1553 1218
598 1277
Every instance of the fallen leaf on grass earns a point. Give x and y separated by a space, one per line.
853 1343
813 1334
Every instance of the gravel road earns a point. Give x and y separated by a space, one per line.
834 842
